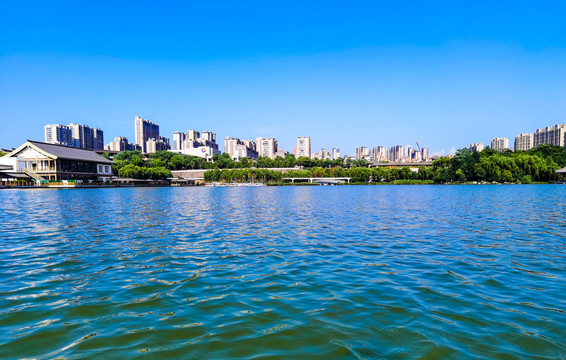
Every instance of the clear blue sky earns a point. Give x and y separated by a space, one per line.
348 73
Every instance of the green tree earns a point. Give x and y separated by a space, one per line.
131 171
305 162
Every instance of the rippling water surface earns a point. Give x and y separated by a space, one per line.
394 272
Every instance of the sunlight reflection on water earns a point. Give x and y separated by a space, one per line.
339 272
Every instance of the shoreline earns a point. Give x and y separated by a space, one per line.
2 187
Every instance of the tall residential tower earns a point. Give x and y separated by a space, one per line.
303 147
145 130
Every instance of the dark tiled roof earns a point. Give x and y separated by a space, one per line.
68 152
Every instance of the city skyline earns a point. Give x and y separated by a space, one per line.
363 74
192 143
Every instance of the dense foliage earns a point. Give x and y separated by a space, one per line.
538 165
132 164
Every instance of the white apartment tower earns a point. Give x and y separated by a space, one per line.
424 154
335 153
80 136
266 147
230 146
523 142
379 153
362 152
178 140
500 144
477 147
550 135
303 146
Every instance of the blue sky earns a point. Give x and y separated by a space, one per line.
348 74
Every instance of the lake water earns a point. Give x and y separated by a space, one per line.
330 272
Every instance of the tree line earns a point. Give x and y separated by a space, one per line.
535 165
133 164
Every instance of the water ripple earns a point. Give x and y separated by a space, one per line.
359 272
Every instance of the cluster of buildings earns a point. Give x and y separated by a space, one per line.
396 154
70 151
555 135
203 144
195 143
75 135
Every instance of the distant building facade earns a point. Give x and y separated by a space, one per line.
322 154
58 134
153 145
145 130
379 153
523 142
238 149
80 136
554 135
362 153
500 144
120 144
178 139
266 147
425 154
194 143
477 147
396 153
335 153
303 147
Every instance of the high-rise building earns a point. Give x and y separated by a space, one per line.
266 147
193 135
250 144
478 147
58 134
230 145
396 153
523 142
425 154
335 153
80 136
194 144
554 135
98 139
178 140
500 144
362 153
145 130
303 146
208 136
153 145
379 153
